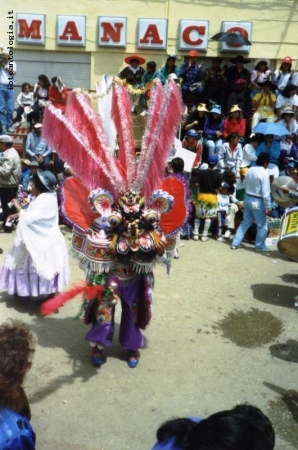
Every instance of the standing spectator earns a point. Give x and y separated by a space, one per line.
238 79
10 176
37 262
234 123
133 74
25 98
213 130
37 149
206 203
58 94
257 204
8 69
230 155
264 103
191 73
283 76
17 347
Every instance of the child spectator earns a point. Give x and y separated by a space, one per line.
192 144
25 98
223 203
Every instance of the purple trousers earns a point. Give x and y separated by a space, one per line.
130 336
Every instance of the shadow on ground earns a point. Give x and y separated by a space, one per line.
275 294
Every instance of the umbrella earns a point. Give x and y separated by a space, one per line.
231 38
271 128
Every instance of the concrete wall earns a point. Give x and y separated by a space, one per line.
274 33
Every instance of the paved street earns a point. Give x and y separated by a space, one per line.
223 332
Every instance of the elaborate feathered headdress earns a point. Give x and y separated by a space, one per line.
79 138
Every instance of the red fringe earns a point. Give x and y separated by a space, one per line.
53 304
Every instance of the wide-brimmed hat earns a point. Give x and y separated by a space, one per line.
5 138
235 108
216 109
264 60
25 161
48 179
269 83
38 125
138 58
287 60
34 164
193 54
239 58
202 107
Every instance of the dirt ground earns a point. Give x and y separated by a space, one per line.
223 332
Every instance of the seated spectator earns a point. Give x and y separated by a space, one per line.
41 95
244 427
133 74
33 167
230 155
150 75
197 119
170 67
287 151
263 104
238 79
58 94
25 166
260 74
287 119
272 148
213 130
192 144
286 98
234 123
17 347
191 73
249 151
215 83
37 149
283 76
25 98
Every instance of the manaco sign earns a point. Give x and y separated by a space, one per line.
112 32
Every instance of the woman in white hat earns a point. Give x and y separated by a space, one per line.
234 123
288 120
37 263
196 120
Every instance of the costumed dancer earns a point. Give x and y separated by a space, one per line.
37 262
135 212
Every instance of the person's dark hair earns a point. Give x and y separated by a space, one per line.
38 184
17 346
177 165
24 85
229 177
288 69
53 80
217 120
45 81
255 138
194 173
263 158
257 67
151 65
8 144
244 427
288 89
232 136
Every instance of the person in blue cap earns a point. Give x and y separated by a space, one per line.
213 130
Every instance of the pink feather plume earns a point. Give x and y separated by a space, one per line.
121 114
53 304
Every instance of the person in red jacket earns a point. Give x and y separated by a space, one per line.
58 94
234 123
